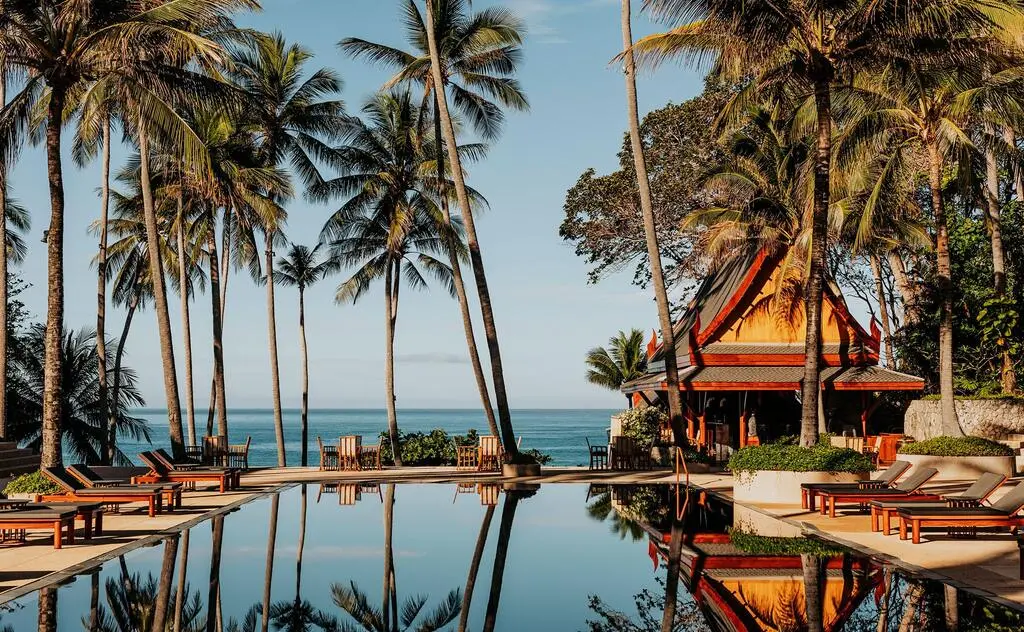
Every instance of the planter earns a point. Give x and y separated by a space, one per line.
769 487
519 470
962 467
29 496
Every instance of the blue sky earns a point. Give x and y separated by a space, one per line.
547 314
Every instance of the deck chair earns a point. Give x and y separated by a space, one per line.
238 454
89 478
328 456
491 453
974 496
160 470
62 521
75 491
909 488
184 465
348 452
887 478
1004 513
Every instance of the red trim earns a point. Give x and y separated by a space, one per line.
843 314
737 297
786 359
791 386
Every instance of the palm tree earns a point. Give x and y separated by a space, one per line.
3 274
65 50
508 516
268 573
625 359
294 122
480 53
474 567
437 75
301 268
809 46
389 227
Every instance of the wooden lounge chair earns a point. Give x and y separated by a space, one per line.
491 453
75 491
369 456
810 491
184 465
89 478
1004 513
598 455
909 488
238 454
348 452
60 520
973 496
160 471
328 456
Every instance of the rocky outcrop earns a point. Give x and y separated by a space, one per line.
995 419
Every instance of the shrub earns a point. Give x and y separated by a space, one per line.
437 448
643 425
34 483
956 446
768 545
793 458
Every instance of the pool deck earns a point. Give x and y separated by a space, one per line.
988 565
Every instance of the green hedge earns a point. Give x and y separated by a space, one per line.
956 446
793 458
34 483
766 545
996 396
437 447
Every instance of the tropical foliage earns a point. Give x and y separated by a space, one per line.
624 359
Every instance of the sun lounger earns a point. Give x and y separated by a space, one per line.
909 488
90 513
89 478
160 470
974 496
61 520
185 465
887 478
1004 513
75 491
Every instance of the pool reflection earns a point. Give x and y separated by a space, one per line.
485 556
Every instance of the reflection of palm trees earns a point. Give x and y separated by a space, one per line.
268 575
48 609
163 595
508 514
474 567
601 510
179 600
132 606
213 614
814 584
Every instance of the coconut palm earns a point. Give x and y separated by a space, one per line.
301 268
66 49
623 360
131 606
389 227
809 46
295 121
480 52
3 272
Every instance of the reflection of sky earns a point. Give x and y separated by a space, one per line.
557 557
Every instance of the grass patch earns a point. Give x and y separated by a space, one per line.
956 446
793 458
34 483
765 545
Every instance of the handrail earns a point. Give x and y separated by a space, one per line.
681 463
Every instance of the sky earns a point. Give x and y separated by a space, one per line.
547 315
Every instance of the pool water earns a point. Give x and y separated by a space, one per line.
560 558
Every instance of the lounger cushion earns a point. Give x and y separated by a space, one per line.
947 512
19 515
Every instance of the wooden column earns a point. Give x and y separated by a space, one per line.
743 428
864 414
703 429
690 421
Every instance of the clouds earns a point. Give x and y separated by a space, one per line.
542 16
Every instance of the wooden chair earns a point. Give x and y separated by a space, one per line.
622 453
467 457
369 456
348 452
491 453
598 456
910 488
238 454
348 494
215 450
489 494
328 456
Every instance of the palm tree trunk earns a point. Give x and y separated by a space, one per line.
186 326
904 286
1008 376
675 553
951 607
460 286
47 621
389 562
115 391
180 596
94 600
883 309
163 316
508 515
305 376
106 453
52 361
301 547
275 373
508 438
474 568
268 573
163 594
668 340
389 361
811 387
217 394
950 424
814 579
912 599
213 596
3 278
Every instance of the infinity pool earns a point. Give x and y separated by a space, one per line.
445 557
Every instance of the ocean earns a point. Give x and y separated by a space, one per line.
560 433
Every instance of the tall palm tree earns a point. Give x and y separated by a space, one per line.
623 360
268 572
295 120
474 568
65 49
480 52
809 45
3 272
437 75
301 268
390 227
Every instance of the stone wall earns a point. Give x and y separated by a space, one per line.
995 419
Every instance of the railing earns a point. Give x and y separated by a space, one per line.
681 471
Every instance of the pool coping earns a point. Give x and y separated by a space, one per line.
81 568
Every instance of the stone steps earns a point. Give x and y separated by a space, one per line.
15 460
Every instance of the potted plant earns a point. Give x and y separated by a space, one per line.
28 486
773 473
960 457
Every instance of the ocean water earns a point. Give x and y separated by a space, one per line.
560 433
